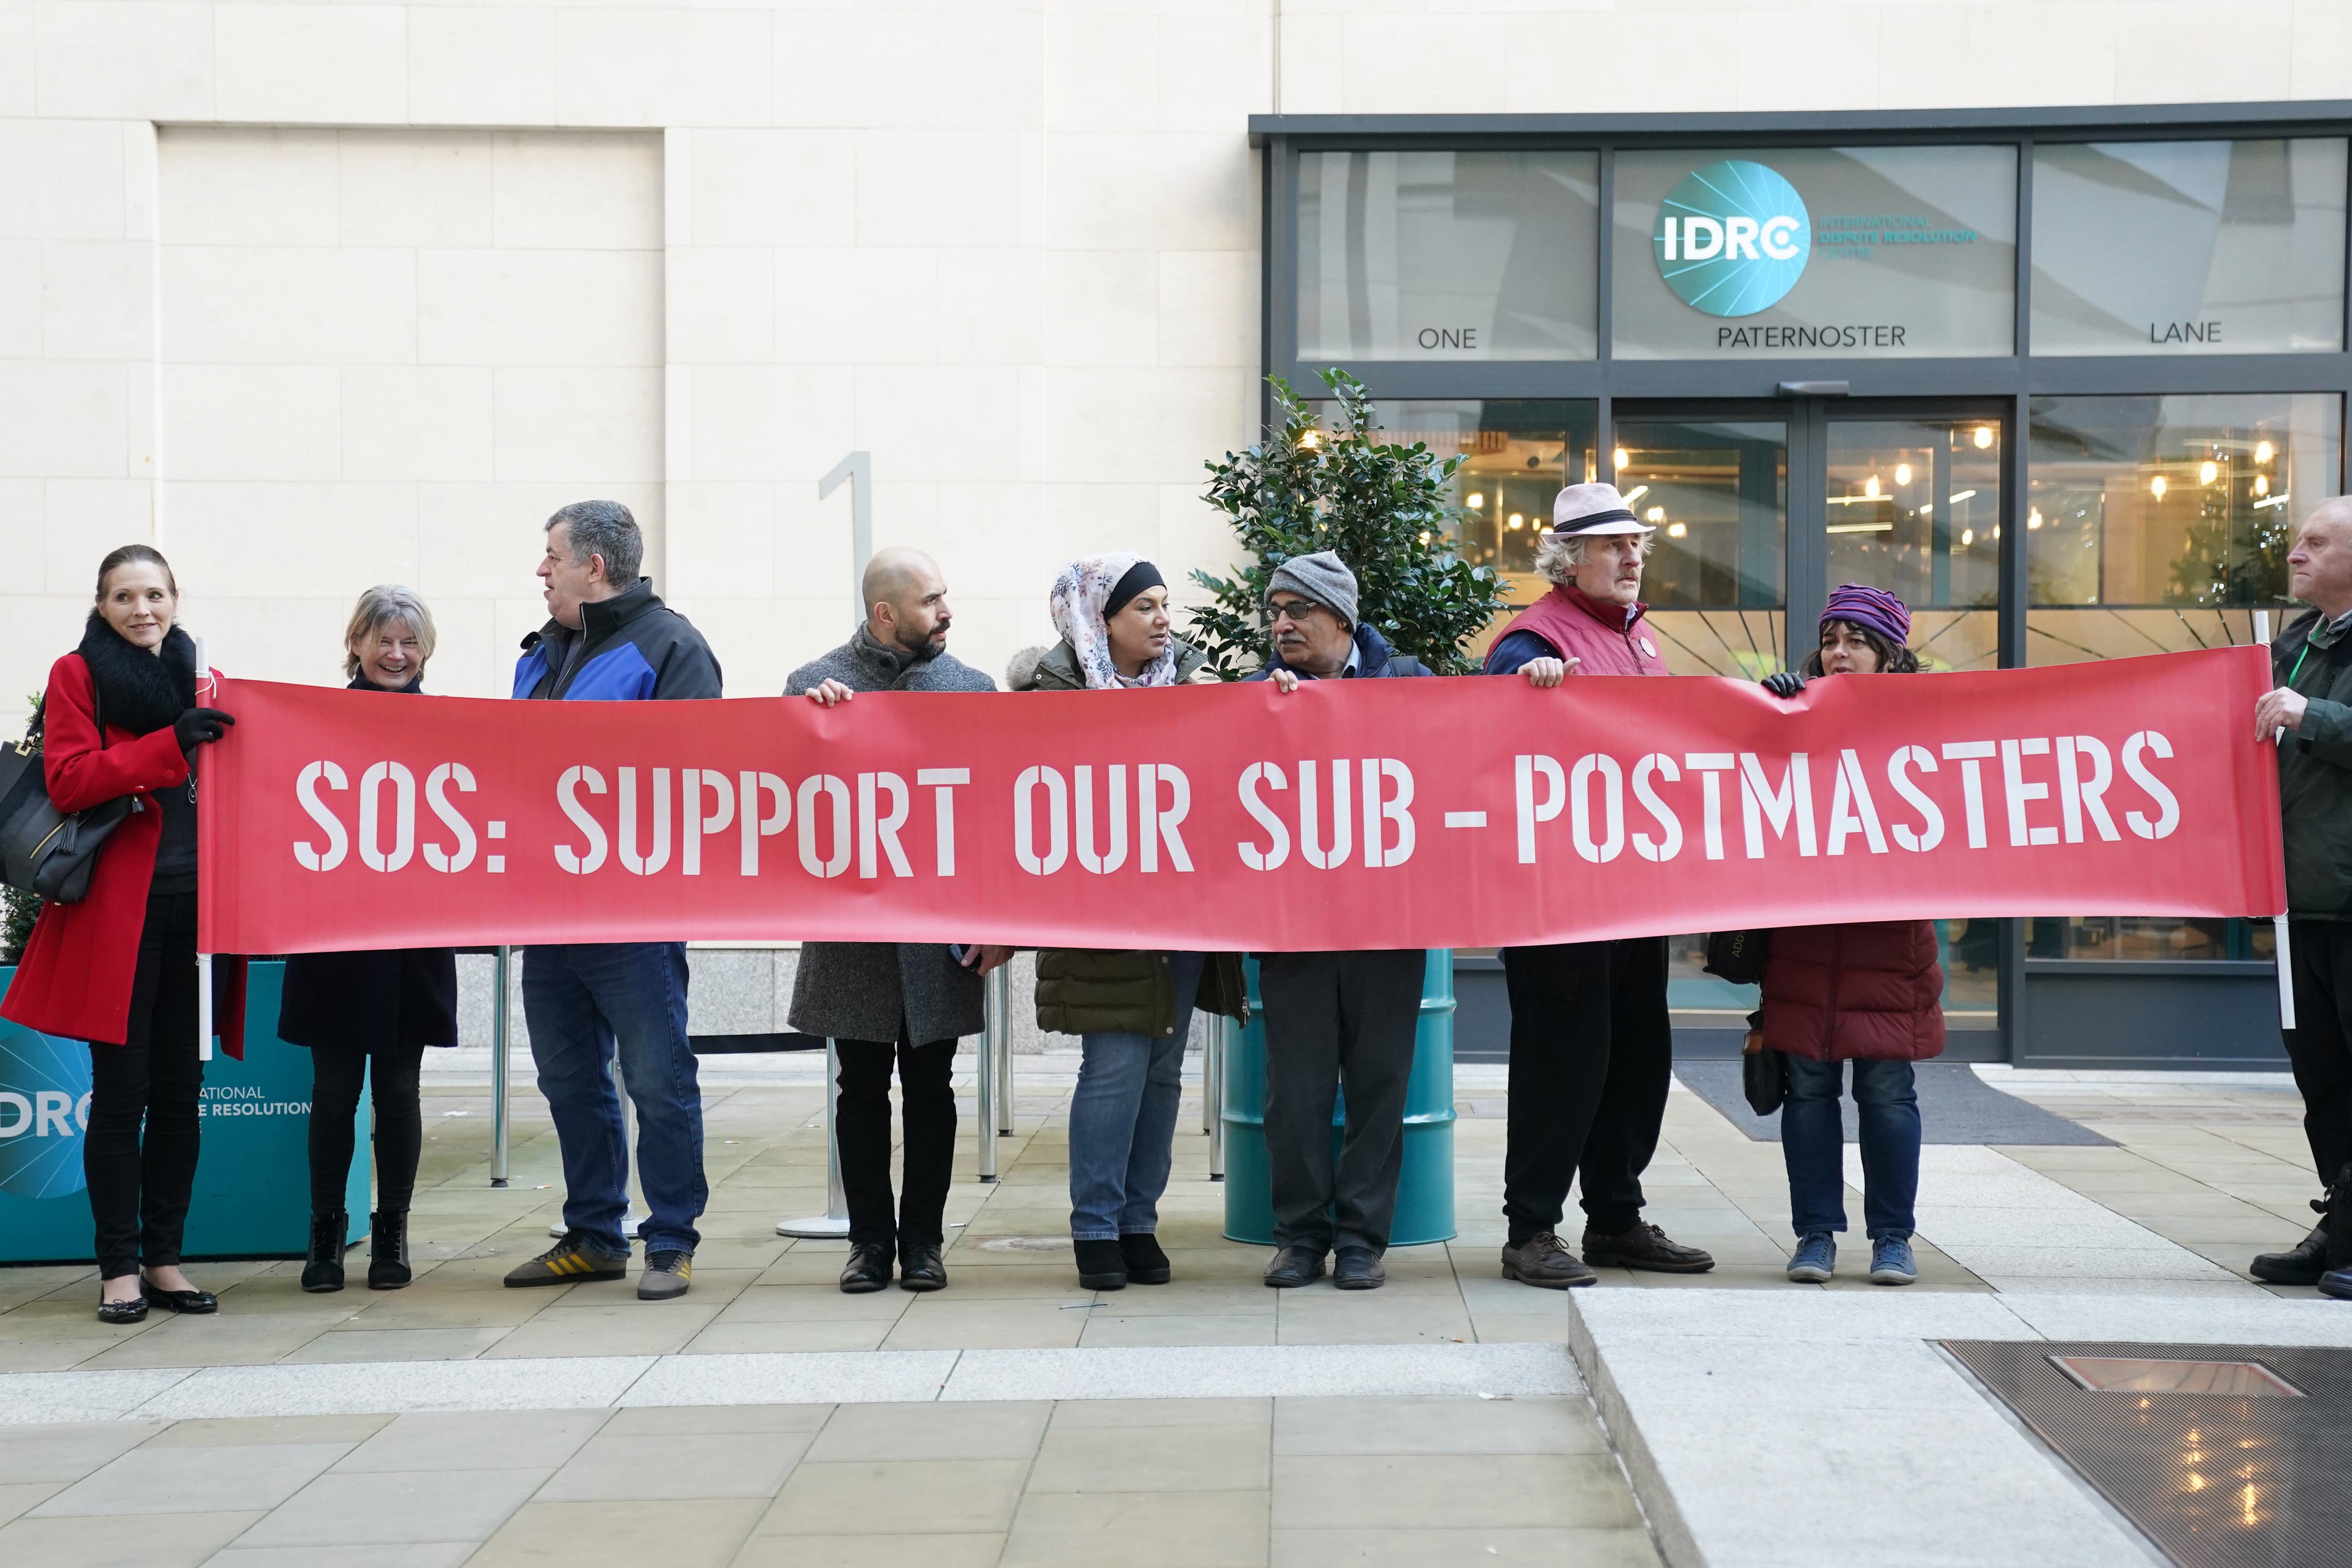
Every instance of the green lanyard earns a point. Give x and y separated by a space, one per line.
2299 658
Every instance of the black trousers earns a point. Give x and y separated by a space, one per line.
2319 1047
139 1156
1337 1020
1591 1060
861 1128
336 1073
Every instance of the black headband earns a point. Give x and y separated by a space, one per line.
1593 520
1140 575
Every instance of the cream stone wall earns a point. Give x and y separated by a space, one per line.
1012 250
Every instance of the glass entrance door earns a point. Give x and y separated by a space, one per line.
1761 509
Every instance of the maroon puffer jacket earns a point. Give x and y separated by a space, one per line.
1837 992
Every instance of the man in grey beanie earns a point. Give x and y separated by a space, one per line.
1333 1017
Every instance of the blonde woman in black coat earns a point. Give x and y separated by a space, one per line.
368 1017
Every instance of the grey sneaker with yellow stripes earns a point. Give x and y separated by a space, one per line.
666 1275
569 1262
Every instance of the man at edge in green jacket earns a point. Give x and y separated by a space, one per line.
2310 712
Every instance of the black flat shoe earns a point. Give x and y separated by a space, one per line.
1358 1269
868 1270
919 1267
133 1311
1295 1266
198 1302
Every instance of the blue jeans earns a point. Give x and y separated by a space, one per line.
1813 1141
1123 1121
579 1003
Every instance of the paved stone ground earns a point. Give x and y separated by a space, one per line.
2204 1172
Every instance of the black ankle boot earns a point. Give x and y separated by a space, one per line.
388 1249
323 1270
1146 1264
1101 1265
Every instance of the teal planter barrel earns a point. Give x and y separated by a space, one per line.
1425 1209
252 1197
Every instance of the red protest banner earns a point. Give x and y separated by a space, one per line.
1407 814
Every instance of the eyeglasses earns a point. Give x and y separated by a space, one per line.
1294 610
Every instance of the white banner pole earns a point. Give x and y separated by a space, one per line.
2282 954
203 959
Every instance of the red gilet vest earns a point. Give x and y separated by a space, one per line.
1609 638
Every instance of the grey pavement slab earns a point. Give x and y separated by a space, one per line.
193 1480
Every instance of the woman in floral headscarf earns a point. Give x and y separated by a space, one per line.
1131 1009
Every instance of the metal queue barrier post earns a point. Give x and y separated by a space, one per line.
502 1091
1000 1024
833 1225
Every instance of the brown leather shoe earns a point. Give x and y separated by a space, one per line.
1545 1260
1644 1247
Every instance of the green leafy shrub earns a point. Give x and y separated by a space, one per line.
1382 506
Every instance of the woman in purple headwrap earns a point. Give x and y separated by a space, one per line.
1869 993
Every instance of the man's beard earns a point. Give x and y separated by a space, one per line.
925 644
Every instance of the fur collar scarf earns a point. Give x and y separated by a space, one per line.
140 691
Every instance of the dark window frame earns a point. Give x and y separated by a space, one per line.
2008 381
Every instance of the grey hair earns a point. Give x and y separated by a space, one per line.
605 528
380 605
1558 555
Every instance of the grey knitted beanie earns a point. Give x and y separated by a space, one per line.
1321 576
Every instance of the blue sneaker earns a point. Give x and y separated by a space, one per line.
1815 1259
1891 1262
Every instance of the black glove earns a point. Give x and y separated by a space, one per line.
1785 685
198 726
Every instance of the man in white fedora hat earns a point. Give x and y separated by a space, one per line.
1591 1047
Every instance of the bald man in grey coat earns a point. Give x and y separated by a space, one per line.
885 1002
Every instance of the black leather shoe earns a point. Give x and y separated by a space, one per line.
1644 1247
2336 1282
869 1270
1295 1266
133 1311
196 1303
1358 1269
1101 1265
2301 1264
323 1270
919 1267
1146 1264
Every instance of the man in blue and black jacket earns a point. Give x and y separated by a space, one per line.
610 639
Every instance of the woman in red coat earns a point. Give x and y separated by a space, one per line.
118 969
1871 994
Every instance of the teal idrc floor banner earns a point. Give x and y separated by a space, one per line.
253 1188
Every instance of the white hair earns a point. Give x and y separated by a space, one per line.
1558 555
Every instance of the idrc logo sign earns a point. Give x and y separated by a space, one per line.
1733 238
44 1111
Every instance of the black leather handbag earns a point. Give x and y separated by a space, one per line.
42 849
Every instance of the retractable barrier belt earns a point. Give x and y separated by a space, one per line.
1405 813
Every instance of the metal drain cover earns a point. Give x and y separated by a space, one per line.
2222 1454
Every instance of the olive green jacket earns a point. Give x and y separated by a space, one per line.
2315 771
1086 990
1056 670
